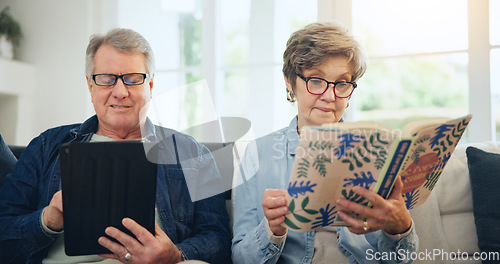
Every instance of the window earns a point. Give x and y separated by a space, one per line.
174 32
254 37
495 62
416 66
494 22
219 58
225 56
495 84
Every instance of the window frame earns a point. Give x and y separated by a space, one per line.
480 91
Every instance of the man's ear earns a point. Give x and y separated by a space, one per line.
151 86
89 85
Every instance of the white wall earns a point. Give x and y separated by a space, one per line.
56 33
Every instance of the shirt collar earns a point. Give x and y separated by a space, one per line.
89 127
292 136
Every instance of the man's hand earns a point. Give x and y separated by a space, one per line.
145 249
53 215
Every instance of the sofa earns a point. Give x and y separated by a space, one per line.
446 222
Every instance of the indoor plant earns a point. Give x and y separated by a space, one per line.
10 34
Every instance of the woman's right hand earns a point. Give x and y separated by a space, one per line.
275 209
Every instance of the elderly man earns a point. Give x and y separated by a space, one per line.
119 72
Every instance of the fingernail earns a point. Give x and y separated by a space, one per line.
340 202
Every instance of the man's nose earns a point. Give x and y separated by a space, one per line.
120 89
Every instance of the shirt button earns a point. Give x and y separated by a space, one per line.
271 251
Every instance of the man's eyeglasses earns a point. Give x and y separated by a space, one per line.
127 79
318 86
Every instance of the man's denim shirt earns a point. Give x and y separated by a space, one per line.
199 229
267 165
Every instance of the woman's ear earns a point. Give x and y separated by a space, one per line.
290 95
288 86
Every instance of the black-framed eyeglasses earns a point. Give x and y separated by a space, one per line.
127 79
318 86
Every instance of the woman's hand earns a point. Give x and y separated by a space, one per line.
274 205
390 215
145 249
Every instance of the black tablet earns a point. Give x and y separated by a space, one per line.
102 183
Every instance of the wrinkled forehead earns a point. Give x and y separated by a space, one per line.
111 60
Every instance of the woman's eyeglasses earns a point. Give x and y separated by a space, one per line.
318 86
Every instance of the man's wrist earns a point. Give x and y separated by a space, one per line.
183 257
46 228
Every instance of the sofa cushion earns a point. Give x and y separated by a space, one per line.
7 160
429 227
446 220
484 172
454 199
453 187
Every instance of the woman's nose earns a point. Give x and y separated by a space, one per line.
329 94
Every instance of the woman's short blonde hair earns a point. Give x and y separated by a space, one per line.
308 47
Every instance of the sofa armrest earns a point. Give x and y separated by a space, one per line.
17 150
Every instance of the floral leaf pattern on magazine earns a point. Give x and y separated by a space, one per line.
362 156
330 161
298 217
326 217
433 148
303 168
347 141
363 179
411 198
301 189
319 164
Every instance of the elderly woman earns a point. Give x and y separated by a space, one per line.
120 72
321 66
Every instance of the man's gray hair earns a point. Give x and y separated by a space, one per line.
122 39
